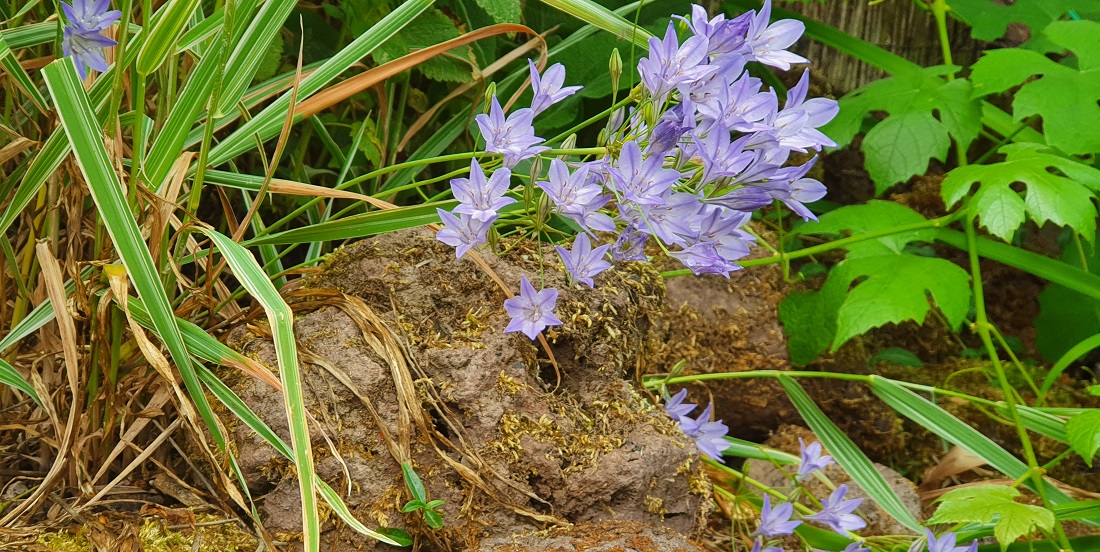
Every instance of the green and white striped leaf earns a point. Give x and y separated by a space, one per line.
84 134
22 80
939 421
848 455
593 13
281 318
244 61
168 25
357 226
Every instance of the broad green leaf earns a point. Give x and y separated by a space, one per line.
1064 96
987 503
901 146
1083 434
931 110
990 20
898 356
874 216
1066 316
848 455
810 320
1058 190
430 28
895 288
168 25
502 11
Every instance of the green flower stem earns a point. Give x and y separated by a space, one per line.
746 479
939 11
836 244
981 323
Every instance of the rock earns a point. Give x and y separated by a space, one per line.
509 447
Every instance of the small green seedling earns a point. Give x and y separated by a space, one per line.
420 501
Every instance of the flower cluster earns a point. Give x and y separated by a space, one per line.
83 38
705 145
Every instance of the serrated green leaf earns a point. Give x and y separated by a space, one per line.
809 320
901 146
985 503
990 20
1050 196
502 11
896 289
1065 97
430 28
870 217
932 110
1083 434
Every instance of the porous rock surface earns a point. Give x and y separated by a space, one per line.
511 448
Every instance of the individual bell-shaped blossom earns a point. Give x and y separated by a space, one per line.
577 196
723 37
722 157
837 514
671 65
776 521
946 543
630 245
670 222
801 190
768 42
462 232
481 197
676 407
86 49
812 459
583 262
548 88
796 125
512 136
740 106
709 437
703 258
723 228
90 15
642 180
531 311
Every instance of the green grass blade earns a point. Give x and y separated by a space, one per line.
939 421
245 59
357 226
281 318
848 455
595 14
747 449
22 80
85 137
168 25
269 121
25 36
1079 350
12 378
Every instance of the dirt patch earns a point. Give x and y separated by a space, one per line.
507 446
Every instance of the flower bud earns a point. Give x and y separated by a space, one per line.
601 138
616 68
543 211
570 142
493 238
529 188
490 92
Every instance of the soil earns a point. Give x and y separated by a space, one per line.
509 447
